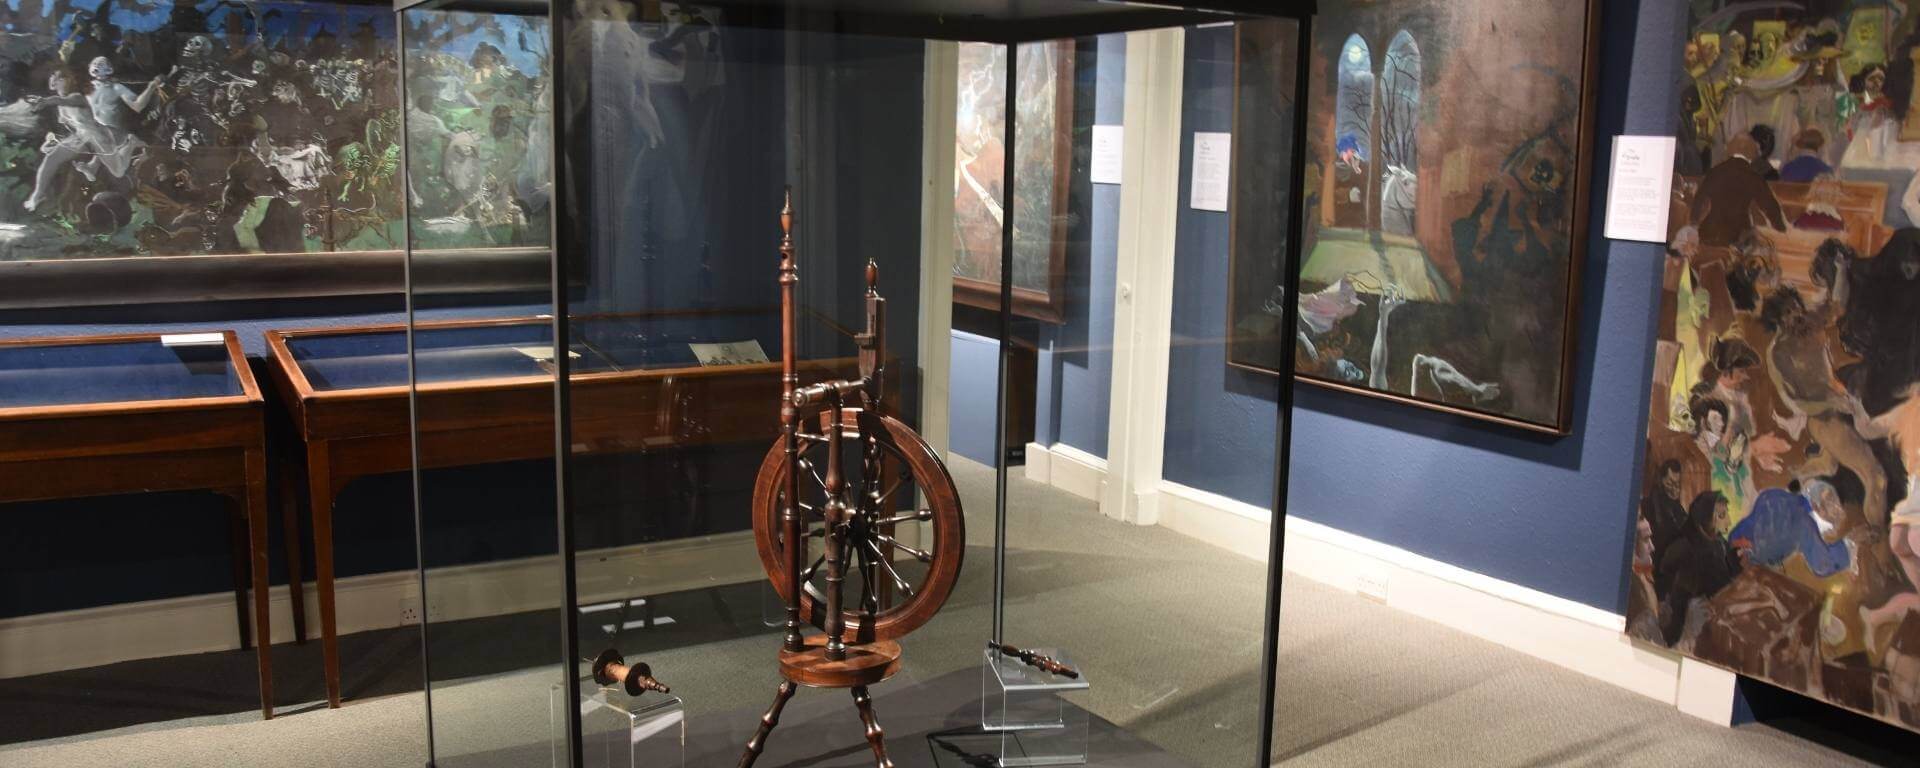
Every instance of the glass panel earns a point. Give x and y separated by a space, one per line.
163 460
686 126
107 372
1142 554
478 130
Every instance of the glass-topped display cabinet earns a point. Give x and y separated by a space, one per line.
872 324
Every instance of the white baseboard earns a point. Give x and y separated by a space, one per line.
1039 466
1573 635
1706 692
89 637
1067 468
1226 523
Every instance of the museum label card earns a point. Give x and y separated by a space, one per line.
1641 188
544 354
1211 152
729 353
1107 140
192 339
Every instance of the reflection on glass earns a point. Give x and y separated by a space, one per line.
1156 587
688 131
478 179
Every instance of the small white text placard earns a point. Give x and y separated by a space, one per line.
1640 188
1212 153
1107 140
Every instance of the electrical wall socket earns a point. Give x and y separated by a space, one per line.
1372 586
409 610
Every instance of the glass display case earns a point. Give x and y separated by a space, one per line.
838 318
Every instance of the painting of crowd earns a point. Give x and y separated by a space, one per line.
1779 531
131 128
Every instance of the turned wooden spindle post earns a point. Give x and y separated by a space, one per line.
790 423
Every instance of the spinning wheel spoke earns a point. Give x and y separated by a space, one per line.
818 481
918 515
807 575
897 482
869 596
898 582
918 554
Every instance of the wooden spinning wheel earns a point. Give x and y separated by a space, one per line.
906 555
864 491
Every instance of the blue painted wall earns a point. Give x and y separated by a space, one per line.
1220 420
972 394
1549 513
1076 357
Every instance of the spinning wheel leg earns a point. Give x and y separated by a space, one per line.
875 736
767 722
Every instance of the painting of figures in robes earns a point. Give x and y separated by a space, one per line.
1780 508
175 128
1443 208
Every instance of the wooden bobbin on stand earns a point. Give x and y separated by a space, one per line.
611 668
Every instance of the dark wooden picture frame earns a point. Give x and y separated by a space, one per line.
984 290
66 283
1248 349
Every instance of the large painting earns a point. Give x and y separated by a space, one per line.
1043 158
173 128
1444 208
1780 513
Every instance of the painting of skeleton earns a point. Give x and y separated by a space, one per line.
1442 209
163 128
1780 509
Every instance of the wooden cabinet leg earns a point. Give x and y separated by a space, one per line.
290 523
321 486
256 515
238 558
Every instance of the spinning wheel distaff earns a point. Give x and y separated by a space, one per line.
871 496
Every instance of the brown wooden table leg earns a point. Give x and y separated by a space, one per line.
320 485
290 522
256 506
238 557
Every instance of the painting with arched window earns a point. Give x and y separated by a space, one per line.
1399 137
1446 175
1351 202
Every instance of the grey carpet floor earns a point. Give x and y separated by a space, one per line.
1166 628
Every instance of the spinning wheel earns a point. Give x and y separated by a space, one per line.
848 481
906 554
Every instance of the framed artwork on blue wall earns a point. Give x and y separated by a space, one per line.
1043 160
176 151
1445 217
1780 501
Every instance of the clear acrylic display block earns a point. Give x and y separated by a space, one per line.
1026 707
621 731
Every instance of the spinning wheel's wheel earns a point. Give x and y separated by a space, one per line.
900 580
